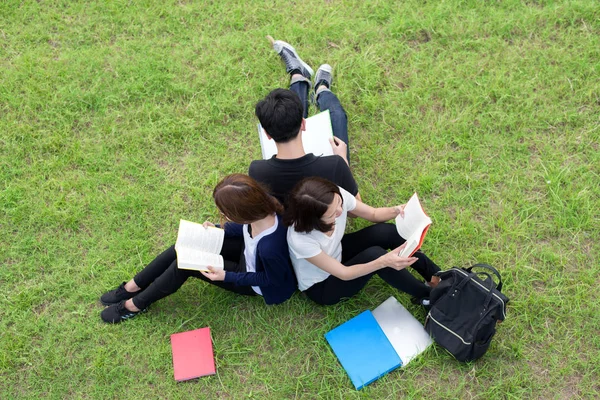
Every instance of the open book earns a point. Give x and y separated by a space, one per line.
198 247
315 138
413 227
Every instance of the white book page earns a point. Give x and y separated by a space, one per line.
198 260
318 132
315 138
411 226
197 246
411 245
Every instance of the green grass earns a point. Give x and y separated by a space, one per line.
117 119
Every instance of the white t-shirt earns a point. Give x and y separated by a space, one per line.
307 245
250 244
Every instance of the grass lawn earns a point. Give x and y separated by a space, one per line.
118 118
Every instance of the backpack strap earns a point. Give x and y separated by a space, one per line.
488 298
489 268
465 280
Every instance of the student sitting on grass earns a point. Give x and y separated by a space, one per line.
281 114
255 253
331 266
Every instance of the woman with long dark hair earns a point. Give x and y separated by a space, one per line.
331 265
255 253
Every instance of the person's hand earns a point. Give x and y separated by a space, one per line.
214 274
393 260
400 210
339 147
207 224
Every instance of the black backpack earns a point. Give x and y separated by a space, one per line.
465 309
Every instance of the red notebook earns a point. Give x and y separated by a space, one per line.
192 354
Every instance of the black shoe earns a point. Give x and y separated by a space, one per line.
116 296
291 59
118 313
324 76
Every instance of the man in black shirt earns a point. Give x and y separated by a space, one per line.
281 114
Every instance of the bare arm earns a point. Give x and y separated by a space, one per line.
381 214
358 198
337 269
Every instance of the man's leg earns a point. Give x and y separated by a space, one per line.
300 85
300 72
326 100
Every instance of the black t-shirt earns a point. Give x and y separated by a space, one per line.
280 176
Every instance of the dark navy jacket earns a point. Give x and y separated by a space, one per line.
274 273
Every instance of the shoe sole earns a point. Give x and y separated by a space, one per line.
291 48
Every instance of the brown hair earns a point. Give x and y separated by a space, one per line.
243 200
307 203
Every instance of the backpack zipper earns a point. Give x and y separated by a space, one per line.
448 329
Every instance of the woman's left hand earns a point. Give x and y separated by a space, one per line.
214 274
400 210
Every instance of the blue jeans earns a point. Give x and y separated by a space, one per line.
326 100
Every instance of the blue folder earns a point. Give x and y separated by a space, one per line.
363 349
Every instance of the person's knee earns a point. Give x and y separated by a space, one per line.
373 253
387 228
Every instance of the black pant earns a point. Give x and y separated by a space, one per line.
367 245
161 277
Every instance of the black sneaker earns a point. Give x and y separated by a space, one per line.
116 296
293 62
324 76
118 313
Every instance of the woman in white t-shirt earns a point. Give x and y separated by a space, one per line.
330 265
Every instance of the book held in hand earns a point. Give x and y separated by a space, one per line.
413 226
315 138
198 247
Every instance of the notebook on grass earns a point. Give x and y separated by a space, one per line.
405 332
363 349
192 354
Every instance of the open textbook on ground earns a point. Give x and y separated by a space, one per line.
198 247
315 138
413 226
